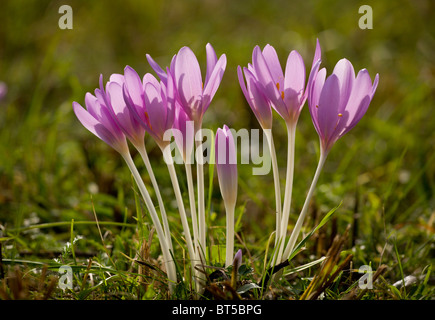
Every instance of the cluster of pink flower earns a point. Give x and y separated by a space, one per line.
127 107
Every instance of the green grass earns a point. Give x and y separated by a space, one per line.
56 178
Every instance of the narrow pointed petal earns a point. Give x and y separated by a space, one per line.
317 53
214 81
157 69
211 62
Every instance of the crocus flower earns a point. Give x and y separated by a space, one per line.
112 95
338 103
151 102
286 91
260 105
195 95
98 119
102 118
226 164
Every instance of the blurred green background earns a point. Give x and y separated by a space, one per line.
383 170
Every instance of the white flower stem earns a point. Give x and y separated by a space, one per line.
230 234
200 186
291 133
295 233
173 174
192 200
278 206
168 259
142 151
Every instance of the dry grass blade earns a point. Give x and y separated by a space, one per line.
329 270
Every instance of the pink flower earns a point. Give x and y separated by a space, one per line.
226 164
195 95
338 103
256 99
151 102
114 98
286 92
98 119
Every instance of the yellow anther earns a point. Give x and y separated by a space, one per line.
282 95
340 114
277 85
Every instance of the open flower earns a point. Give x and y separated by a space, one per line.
151 102
195 95
113 98
286 91
338 103
256 99
97 118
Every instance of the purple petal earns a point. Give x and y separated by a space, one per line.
226 164
157 69
268 85
125 118
255 98
214 81
97 128
346 76
134 85
294 82
317 53
188 77
272 61
155 109
327 113
211 62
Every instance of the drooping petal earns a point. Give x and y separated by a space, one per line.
98 129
